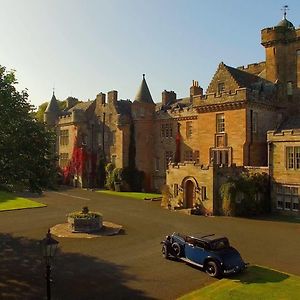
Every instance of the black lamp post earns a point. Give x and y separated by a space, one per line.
49 248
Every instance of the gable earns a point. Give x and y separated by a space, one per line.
222 80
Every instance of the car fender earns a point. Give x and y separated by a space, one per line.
208 258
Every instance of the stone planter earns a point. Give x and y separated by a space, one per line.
85 221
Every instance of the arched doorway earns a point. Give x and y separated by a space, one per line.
189 194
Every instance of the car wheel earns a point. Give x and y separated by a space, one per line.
165 251
176 249
213 269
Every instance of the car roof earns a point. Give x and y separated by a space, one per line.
206 237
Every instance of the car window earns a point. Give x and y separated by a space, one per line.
219 244
199 244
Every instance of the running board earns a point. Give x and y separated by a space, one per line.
190 262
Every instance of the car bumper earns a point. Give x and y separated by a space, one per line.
236 269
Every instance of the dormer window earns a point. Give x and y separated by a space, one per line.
221 87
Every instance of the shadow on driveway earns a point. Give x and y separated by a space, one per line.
75 276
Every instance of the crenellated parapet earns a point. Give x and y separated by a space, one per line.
255 68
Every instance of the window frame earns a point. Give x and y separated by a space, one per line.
220 123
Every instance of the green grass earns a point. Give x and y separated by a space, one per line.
135 195
9 201
254 284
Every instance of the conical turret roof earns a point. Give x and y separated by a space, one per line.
143 95
52 105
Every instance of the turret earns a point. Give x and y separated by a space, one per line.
52 112
282 44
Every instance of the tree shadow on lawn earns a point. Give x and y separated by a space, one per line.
75 276
257 274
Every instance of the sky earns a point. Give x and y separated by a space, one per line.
82 48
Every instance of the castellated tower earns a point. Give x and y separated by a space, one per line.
143 109
52 112
282 44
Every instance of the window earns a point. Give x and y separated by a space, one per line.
221 87
189 129
156 164
188 155
220 140
203 193
166 130
254 118
279 202
168 157
220 123
64 137
287 197
292 155
113 159
196 156
289 88
63 159
113 137
220 157
175 189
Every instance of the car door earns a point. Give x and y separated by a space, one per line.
195 251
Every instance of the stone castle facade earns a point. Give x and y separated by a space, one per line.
224 127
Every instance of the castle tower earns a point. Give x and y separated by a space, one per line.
143 109
52 111
282 44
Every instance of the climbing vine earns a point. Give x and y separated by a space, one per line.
246 195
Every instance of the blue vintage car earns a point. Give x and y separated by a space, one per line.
212 253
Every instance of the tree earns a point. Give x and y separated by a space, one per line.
26 159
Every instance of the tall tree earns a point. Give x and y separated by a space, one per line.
26 160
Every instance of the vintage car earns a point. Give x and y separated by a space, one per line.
212 253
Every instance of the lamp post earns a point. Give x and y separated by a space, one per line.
49 248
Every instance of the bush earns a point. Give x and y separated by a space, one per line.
246 195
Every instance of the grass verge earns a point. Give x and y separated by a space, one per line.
134 195
255 283
9 201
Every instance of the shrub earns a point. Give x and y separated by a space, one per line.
246 195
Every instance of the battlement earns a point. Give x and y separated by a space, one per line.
272 35
254 68
291 134
241 94
72 117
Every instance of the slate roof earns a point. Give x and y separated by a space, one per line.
244 79
292 122
52 105
124 107
143 95
285 23
81 106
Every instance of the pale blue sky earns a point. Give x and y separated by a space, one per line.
85 47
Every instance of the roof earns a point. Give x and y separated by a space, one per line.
81 106
243 79
207 238
143 95
124 107
292 122
52 105
285 23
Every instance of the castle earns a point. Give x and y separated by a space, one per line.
184 142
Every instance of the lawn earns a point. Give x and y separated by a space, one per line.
9 201
135 195
254 284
